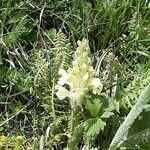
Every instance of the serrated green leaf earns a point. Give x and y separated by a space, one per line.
107 114
94 107
94 126
113 105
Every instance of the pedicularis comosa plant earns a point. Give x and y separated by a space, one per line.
80 78
83 89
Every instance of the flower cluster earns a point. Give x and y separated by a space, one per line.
2 138
80 78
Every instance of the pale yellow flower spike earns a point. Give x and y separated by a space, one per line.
80 77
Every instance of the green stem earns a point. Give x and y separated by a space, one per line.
52 101
72 120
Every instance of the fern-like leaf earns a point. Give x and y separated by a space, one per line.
133 90
61 52
16 31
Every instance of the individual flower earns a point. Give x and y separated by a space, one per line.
97 85
19 138
2 138
61 92
63 78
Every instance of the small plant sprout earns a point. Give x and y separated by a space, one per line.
80 78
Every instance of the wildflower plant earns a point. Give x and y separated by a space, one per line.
80 78
36 44
2 141
13 142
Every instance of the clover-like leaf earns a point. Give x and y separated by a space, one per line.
94 126
94 107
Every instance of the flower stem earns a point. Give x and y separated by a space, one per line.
52 101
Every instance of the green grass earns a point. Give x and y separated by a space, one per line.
37 38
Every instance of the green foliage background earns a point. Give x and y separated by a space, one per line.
38 37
